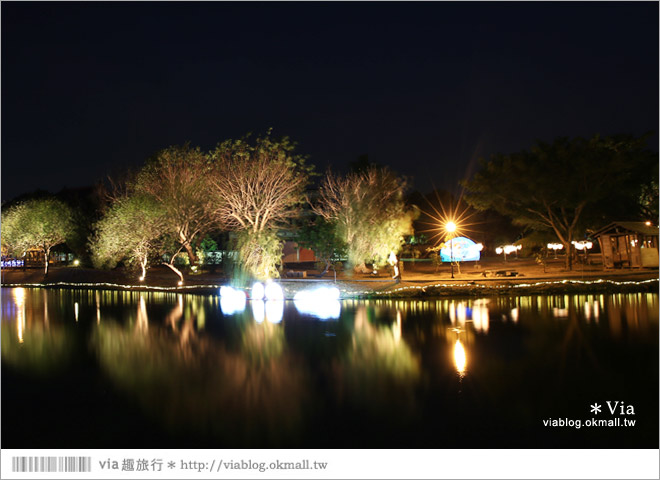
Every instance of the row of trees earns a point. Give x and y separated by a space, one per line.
252 189
570 186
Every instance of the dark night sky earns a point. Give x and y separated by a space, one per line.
426 88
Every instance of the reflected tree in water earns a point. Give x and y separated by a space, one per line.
193 383
378 372
30 342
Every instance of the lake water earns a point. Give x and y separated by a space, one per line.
113 369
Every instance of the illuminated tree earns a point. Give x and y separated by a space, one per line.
256 188
37 224
564 185
368 211
177 179
132 231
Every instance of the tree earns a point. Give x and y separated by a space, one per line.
563 185
256 188
648 199
320 236
131 230
177 179
40 224
368 211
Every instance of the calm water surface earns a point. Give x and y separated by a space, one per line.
85 368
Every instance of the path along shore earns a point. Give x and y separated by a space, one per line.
419 280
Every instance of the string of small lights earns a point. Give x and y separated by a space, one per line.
344 293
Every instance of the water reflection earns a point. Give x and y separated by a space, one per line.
276 374
378 371
19 299
460 359
196 382
34 346
461 312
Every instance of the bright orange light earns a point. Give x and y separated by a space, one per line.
460 359
647 223
450 227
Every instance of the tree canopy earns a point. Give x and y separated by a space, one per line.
40 224
257 187
368 211
564 185
132 230
177 179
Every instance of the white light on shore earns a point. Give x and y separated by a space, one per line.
258 291
273 291
321 302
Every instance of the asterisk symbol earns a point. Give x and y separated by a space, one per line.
595 408
171 464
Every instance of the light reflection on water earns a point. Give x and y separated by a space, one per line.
266 372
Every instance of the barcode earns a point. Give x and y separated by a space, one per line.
51 464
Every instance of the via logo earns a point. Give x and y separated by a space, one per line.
622 408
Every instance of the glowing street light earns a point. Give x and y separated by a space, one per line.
555 247
450 227
507 249
582 245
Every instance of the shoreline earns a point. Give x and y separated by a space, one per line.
386 288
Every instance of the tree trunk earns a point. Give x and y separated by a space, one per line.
143 264
191 254
568 262
175 270
327 267
46 255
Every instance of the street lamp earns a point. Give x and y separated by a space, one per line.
555 247
450 227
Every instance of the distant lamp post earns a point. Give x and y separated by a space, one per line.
450 228
555 247
507 249
583 245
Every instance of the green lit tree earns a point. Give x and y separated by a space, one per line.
37 224
369 213
131 231
564 185
177 179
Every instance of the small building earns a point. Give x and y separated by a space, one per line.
292 253
628 244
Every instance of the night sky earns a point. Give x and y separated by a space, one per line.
426 88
